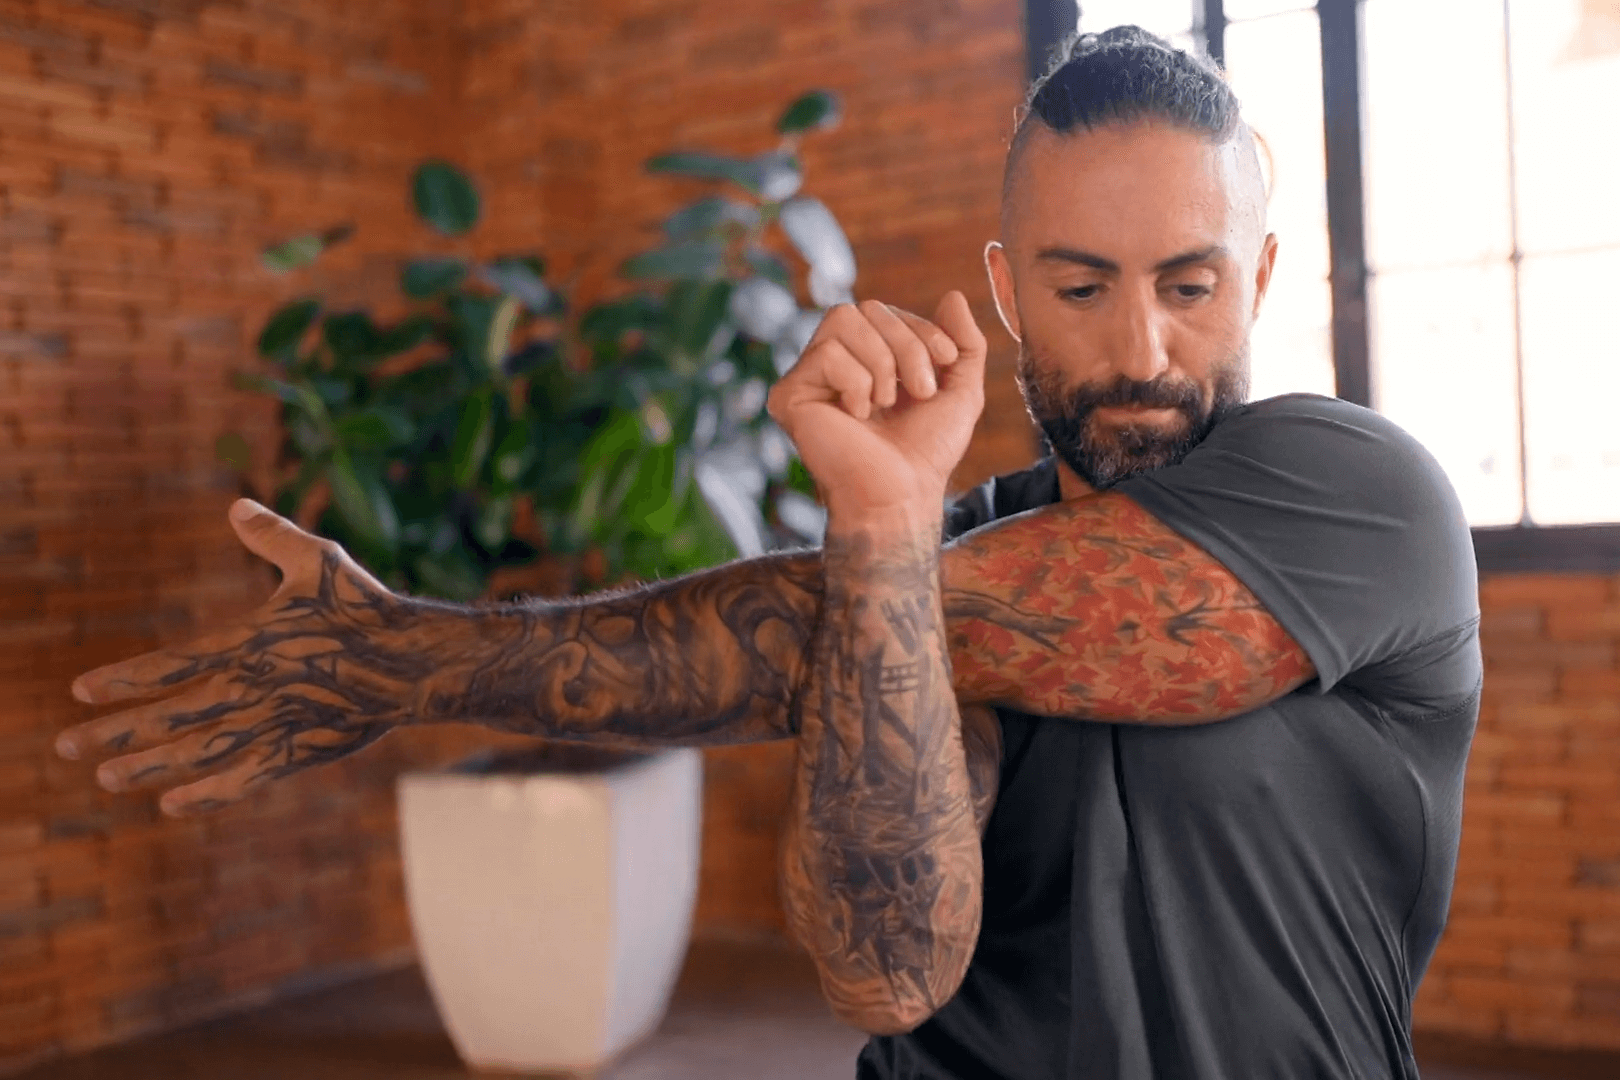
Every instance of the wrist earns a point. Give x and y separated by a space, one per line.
895 522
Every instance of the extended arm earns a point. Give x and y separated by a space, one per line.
1088 609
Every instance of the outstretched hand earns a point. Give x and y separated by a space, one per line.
307 678
882 404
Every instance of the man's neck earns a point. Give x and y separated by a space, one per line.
1070 486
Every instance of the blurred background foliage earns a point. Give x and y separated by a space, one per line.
492 427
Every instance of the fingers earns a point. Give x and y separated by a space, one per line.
147 725
214 792
908 356
159 671
848 330
851 380
956 319
161 766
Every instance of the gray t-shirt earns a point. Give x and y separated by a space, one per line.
1254 898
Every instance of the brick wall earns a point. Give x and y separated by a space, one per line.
148 148
1532 951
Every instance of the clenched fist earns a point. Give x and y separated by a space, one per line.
882 404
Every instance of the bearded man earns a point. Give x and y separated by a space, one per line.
1152 769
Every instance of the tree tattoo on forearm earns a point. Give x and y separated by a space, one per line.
323 672
881 865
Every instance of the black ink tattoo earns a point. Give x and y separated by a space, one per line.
882 868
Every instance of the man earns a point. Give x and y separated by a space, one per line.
1213 665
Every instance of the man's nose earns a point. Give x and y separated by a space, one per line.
1141 341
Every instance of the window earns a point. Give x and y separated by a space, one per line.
1470 215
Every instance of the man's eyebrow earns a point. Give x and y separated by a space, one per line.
1098 262
1082 258
1188 258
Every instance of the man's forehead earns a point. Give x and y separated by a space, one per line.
1146 180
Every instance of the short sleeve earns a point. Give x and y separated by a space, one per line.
1347 531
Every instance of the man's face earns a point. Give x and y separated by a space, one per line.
1132 265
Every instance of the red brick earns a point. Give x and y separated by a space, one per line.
1550 589
1584 624
1514 995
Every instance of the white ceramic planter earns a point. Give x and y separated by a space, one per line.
552 911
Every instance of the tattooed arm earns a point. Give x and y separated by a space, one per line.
335 660
1090 608
1095 609
881 871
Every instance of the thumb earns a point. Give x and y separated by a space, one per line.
272 537
955 317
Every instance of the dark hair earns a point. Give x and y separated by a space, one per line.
1124 75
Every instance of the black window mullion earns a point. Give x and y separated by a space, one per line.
1209 25
1347 232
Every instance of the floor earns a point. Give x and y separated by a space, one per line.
744 1010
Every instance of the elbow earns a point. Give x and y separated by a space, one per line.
898 1003
890 1019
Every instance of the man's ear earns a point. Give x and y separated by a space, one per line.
1262 273
1001 287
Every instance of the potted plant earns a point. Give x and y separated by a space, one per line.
492 440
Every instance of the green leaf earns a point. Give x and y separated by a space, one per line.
352 336
493 525
233 450
405 335
519 278
697 308
374 429
362 502
423 279
445 198
691 258
706 215
289 498
701 166
474 430
286 328
450 576
475 321
650 504
298 252
534 355
612 319
815 111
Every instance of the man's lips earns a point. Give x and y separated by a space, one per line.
1138 413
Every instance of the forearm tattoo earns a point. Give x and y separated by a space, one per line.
881 869
714 657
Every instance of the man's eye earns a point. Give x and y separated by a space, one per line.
1083 292
1192 292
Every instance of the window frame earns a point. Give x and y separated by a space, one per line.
1521 548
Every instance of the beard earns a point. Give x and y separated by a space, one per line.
1102 455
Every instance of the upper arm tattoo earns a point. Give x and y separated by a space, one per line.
1095 609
